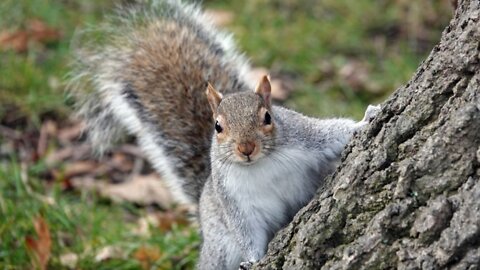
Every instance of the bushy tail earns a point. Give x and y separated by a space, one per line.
101 126
144 72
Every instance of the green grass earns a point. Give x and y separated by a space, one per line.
300 37
33 82
310 41
80 223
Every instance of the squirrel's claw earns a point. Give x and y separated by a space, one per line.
246 265
371 112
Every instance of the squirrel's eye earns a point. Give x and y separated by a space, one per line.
268 119
218 128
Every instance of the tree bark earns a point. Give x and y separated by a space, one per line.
407 194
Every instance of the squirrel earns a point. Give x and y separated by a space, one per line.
266 163
250 167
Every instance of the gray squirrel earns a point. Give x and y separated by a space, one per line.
250 167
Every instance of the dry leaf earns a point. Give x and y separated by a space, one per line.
49 128
71 133
167 219
69 260
41 32
59 155
144 224
35 31
17 41
86 183
110 252
70 152
141 189
164 220
220 17
147 256
79 168
40 248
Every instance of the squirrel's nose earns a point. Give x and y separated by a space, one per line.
246 148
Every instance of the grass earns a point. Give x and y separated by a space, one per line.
313 42
80 223
32 81
302 37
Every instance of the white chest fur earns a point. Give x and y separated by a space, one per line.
267 191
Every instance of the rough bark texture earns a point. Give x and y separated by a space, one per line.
407 194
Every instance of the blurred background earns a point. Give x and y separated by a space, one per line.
62 208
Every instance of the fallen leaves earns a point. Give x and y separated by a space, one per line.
120 175
17 41
147 256
166 220
49 128
40 247
140 189
69 260
123 174
110 252
34 32
79 167
163 221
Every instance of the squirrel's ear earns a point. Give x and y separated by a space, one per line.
264 89
213 97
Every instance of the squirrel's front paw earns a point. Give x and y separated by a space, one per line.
371 112
246 265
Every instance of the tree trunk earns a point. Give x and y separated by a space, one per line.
407 194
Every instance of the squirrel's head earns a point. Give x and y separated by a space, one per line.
244 123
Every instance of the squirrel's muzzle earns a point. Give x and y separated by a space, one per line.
246 148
